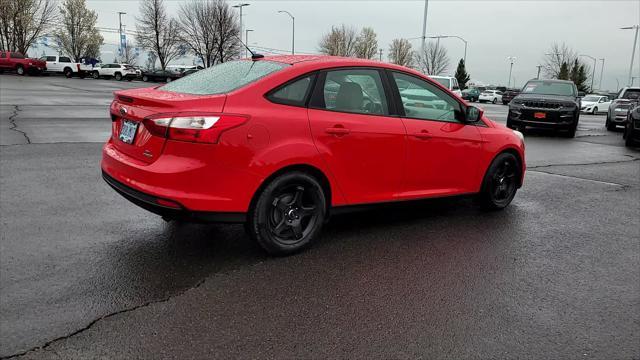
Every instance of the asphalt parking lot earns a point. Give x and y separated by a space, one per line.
86 274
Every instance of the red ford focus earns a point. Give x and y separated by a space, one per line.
280 142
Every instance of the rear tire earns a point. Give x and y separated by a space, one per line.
288 214
168 80
118 76
145 78
495 100
68 73
500 182
628 139
20 70
609 124
95 75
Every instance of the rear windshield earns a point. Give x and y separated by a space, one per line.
631 94
549 88
223 78
443 82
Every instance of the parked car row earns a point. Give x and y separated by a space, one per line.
13 61
625 111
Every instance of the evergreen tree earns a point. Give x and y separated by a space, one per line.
581 80
575 71
461 75
563 74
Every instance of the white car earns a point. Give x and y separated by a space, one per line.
117 71
492 96
594 103
449 82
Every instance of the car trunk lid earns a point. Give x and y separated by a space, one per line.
130 108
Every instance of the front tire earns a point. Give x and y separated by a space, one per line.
95 75
145 78
628 139
118 76
20 70
609 124
495 100
500 183
68 73
594 111
288 214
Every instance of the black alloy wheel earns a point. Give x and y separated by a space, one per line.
288 214
500 182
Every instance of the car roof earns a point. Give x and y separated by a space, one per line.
327 61
552 80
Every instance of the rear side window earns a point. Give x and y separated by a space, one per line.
17 56
293 93
51 58
65 59
224 78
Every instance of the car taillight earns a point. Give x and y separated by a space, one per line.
197 128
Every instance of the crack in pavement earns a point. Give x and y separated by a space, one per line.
95 321
14 126
586 164
624 186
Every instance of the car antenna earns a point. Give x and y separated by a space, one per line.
254 56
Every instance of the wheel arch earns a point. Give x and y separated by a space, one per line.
306 168
516 153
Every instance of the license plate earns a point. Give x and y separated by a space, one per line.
128 131
540 115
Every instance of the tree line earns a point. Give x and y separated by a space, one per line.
208 29
347 41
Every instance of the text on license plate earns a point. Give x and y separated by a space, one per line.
128 131
540 115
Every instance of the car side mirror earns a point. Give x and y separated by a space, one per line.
473 114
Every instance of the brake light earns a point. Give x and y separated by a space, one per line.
196 128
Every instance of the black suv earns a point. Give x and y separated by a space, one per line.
632 128
551 104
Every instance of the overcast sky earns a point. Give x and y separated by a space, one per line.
493 29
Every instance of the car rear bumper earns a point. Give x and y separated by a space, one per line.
185 173
169 208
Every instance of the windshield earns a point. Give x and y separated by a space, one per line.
631 94
549 88
223 78
443 81
591 98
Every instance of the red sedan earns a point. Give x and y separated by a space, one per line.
281 142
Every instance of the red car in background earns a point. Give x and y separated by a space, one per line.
15 61
281 142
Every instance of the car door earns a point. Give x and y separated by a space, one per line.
603 104
4 61
356 134
443 153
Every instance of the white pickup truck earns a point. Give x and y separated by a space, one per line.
64 65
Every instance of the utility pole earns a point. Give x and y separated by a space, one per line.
240 6
633 51
380 54
424 26
511 59
120 13
601 72
538 76
293 30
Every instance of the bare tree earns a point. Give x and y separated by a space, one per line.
157 32
197 29
227 32
340 41
23 21
366 44
400 52
555 57
434 60
77 35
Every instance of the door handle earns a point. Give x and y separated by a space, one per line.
424 135
338 130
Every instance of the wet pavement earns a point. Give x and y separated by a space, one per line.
85 274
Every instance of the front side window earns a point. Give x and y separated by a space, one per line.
422 100
355 91
17 56
224 78
293 93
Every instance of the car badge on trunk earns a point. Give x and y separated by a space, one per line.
123 111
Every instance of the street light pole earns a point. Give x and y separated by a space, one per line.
424 26
633 52
511 59
246 36
240 6
593 73
293 30
601 72
452 36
